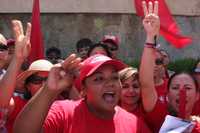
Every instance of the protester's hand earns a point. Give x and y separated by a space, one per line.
151 21
22 41
62 76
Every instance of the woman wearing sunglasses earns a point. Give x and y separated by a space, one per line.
32 79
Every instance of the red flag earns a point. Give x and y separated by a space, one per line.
37 48
168 27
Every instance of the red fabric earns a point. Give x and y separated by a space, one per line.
19 104
139 112
182 99
162 90
156 117
196 110
168 26
196 128
74 117
37 48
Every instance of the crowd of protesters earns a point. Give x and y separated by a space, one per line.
94 91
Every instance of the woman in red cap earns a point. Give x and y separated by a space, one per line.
96 112
182 88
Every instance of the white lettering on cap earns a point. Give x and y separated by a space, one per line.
99 59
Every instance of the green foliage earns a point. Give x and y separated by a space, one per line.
187 64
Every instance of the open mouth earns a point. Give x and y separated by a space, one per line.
109 97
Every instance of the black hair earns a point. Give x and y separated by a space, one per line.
55 50
111 42
162 50
84 42
187 73
100 44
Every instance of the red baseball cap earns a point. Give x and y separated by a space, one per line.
111 38
91 64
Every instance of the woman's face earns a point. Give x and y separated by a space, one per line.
130 93
103 89
37 82
98 50
182 81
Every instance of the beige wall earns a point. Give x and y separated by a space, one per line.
177 7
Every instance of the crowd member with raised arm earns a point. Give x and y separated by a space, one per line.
96 112
8 82
182 87
22 50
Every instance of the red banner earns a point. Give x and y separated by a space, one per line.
37 48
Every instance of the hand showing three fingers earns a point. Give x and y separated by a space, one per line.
22 41
151 21
62 76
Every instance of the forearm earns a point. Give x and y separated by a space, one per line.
149 95
8 82
34 113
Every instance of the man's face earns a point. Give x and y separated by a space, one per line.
53 57
83 52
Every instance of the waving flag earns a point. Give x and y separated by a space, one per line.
168 27
37 48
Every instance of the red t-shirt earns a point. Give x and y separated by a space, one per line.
19 104
139 112
196 110
74 117
162 90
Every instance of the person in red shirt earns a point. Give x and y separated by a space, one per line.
178 104
130 98
33 79
96 112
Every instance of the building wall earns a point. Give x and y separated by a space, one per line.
177 7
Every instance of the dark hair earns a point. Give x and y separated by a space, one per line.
179 73
111 42
84 42
54 50
105 47
162 50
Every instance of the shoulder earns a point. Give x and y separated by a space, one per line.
123 114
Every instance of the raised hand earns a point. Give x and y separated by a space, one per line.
151 21
22 41
62 76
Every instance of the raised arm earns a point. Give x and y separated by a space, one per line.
60 78
22 49
151 25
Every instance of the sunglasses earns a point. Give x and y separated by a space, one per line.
3 47
113 48
34 79
159 61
